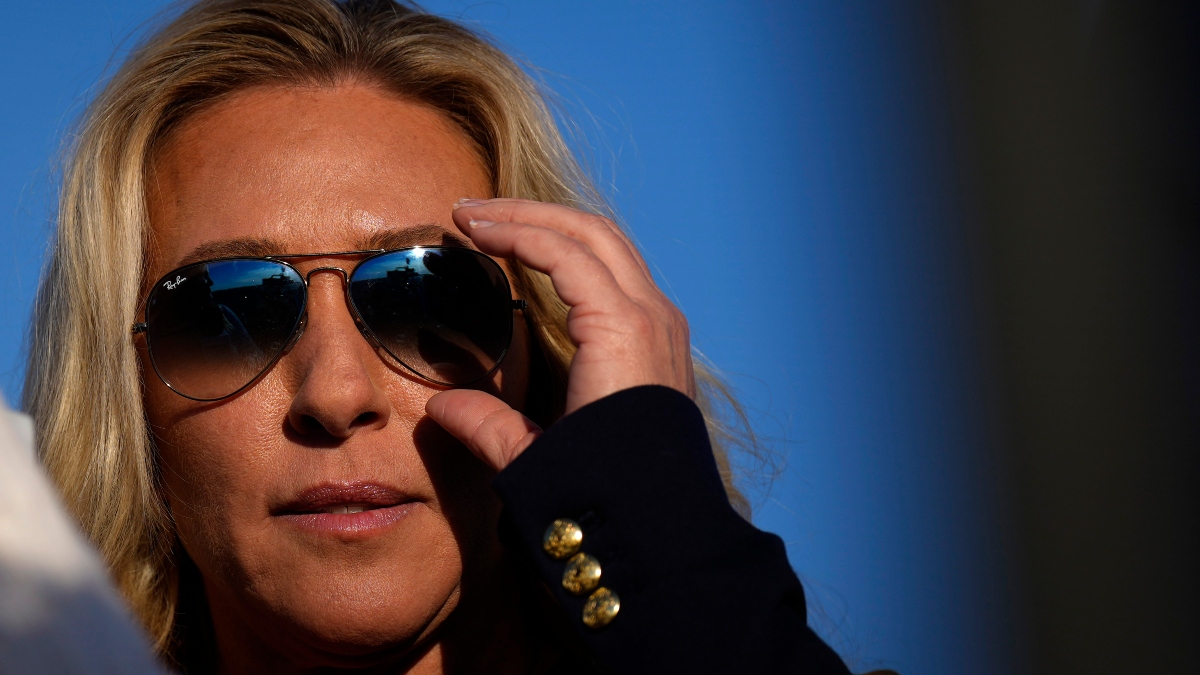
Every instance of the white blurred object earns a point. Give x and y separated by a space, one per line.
22 427
58 611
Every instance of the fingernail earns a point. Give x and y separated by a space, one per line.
481 223
468 201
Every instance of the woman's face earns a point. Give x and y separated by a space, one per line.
297 170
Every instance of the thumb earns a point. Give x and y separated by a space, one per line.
491 429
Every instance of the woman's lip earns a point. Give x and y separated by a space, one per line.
320 499
350 523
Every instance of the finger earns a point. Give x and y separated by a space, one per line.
610 242
601 234
589 226
580 278
491 429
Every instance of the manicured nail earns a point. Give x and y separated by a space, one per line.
467 201
481 223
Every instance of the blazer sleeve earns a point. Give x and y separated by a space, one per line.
701 590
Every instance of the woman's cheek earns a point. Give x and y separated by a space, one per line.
214 464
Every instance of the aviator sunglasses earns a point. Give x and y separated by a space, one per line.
214 327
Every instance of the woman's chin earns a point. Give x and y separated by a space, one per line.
376 606
360 632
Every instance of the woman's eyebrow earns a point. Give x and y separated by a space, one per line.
424 234
252 247
231 248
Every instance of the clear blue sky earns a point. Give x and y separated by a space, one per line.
787 168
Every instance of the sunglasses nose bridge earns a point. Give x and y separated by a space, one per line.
344 273
358 322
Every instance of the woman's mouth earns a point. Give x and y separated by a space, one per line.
349 508
346 508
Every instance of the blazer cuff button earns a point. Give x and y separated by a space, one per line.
582 574
562 539
601 608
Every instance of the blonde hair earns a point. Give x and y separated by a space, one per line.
83 384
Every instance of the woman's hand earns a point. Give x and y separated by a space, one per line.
627 332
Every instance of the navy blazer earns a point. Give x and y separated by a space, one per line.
701 590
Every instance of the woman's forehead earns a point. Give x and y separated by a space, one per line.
309 169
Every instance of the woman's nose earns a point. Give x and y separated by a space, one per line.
338 392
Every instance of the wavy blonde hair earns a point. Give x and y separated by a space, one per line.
83 384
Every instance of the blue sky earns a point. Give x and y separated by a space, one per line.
789 171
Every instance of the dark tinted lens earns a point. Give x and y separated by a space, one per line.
446 313
214 327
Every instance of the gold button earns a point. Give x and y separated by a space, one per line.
601 608
562 539
582 574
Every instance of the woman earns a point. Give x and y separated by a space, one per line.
282 381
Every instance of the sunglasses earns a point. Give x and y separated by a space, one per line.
214 327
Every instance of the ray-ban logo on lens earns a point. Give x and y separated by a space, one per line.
172 285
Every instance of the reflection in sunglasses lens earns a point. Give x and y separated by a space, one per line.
214 327
445 313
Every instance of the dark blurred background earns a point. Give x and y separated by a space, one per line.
1080 149
947 252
